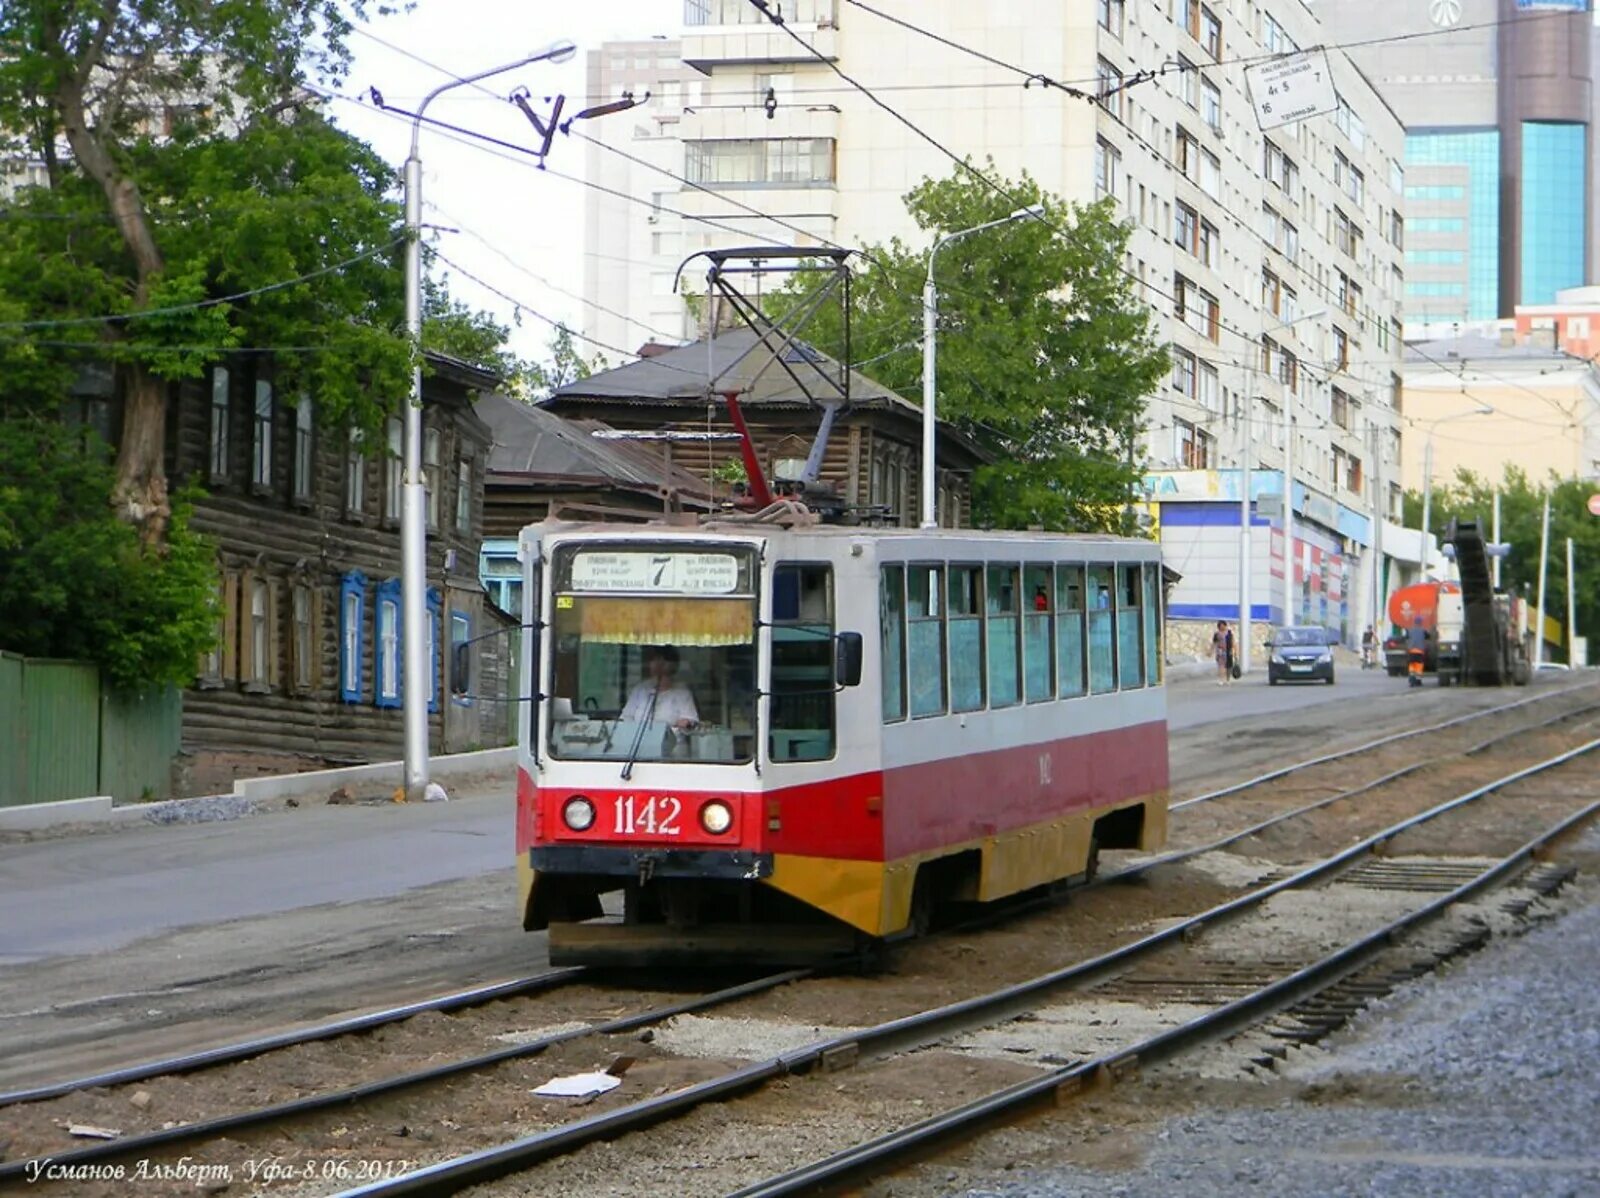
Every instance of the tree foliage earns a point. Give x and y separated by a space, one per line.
562 364
1045 355
1471 497
185 168
75 581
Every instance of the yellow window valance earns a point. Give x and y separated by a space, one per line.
659 621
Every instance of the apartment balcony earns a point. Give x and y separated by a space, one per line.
745 36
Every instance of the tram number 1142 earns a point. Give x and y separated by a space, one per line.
655 816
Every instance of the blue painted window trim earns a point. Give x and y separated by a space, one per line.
350 649
388 595
435 604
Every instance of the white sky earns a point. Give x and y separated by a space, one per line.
532 222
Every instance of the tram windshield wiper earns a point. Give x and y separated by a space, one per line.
638 737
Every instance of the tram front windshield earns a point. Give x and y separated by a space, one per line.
654 655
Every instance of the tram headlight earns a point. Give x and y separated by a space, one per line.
578 813
716 817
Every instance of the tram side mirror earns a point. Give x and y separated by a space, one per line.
847 659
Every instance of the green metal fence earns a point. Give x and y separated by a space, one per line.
61 737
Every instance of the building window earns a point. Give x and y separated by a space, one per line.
259 635
1553 208
464 495
1188 83
1107 166
1183 372
1111 16
394 469
1210 243
1341 348
1109 88
303 446
1186 226
434 606
430 473
1280 169
386 645
1211 34
219 423
1210 389
1341 408
1211 105
215 659
355 474
1346 234
1197 308
1191 446
302 642
352 604
461 656
261 441
760 162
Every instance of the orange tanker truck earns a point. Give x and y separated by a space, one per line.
1438 605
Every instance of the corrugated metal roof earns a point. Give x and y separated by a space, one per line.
532 442
734 360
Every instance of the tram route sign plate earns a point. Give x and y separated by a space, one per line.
1291 88
682 573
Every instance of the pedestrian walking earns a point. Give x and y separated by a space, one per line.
1222 650
1369 648
1416 651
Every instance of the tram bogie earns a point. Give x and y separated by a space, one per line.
756 744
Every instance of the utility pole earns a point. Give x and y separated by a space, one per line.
1572 613
1288 507
1427 499
1242 656
1544 562
1496 537
1377 529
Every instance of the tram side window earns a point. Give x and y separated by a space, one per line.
1130 626
925 618
1152 622
1038 633
966 638
1069 630
802 664
892 621
1005 676
1102 639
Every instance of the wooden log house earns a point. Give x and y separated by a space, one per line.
306 520
874 454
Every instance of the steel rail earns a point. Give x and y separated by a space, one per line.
1180 855
452 1175
273 1114
1058 1083
225 1053
1392 738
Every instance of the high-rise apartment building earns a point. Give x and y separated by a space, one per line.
1498 106
1273 260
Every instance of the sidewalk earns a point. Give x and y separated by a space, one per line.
253 795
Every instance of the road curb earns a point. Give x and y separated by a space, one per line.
249 795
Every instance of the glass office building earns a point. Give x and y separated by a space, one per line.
1474 210
1553 185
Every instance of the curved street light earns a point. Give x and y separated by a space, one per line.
413 531
930 324
1427 475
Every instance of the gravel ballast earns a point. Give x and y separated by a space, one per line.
1481 1079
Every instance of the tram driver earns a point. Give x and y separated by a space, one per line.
660 697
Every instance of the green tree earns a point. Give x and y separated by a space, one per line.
247 189
563 364
1471 497
75 581
1046 356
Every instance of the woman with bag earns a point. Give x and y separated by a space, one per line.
1222 648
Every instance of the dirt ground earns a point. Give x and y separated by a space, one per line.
213 984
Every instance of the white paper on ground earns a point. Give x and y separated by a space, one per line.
578 1085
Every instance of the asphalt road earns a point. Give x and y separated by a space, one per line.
124 943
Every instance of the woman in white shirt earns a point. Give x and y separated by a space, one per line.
660 698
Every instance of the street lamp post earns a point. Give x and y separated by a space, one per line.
1427 474
413 529
1288 474
930 326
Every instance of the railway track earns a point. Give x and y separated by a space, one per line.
200 1130
1227 968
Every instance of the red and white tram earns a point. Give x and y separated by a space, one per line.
773 742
